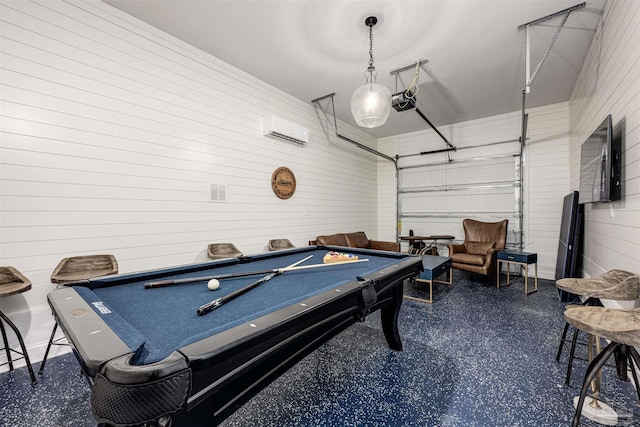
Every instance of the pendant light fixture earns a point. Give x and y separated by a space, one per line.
371 103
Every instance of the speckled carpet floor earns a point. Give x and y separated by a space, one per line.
478 356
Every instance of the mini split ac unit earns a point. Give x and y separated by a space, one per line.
277 127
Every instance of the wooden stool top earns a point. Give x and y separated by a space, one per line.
12 282
617 325
223 250
84 267
279 244
617 285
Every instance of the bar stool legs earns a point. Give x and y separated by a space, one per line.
595 368
23 354
563 339
572 353
595 409
52 341
6 346
621 328
589 302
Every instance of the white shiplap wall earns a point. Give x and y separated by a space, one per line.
546 175
112 132
609 83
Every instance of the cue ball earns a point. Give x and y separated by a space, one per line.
213 284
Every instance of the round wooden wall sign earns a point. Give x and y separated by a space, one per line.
283 182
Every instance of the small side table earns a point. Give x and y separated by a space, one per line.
434 266
519 258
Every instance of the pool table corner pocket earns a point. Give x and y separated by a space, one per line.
122 395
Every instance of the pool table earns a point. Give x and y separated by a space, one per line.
150 357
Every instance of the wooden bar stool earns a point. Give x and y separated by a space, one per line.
73 269
619 326
618 285
12 282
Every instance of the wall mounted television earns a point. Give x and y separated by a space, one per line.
600 165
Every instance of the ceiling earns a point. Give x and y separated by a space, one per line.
312 48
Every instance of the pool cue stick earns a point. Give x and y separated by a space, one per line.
329 264
163 283
204 309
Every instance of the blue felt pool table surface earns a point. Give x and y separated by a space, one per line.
155 322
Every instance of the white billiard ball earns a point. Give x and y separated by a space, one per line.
213 284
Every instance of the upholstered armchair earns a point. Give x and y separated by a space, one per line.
481 242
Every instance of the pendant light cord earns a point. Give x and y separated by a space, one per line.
371 67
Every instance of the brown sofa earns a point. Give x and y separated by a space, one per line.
355 240
481 242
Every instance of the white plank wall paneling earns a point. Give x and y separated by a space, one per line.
609 83
112 133
546 179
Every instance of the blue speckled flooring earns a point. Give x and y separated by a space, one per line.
477 356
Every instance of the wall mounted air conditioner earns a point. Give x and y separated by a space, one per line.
277 127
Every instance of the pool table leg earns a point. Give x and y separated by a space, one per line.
389 318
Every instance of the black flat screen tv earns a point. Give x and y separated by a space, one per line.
600 165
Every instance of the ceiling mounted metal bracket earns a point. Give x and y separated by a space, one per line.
356 143
412 66
415 66
565 15
527 89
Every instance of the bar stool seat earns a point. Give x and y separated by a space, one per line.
621 327
280 244
616 285
84 267
223 250
76 268
12 282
